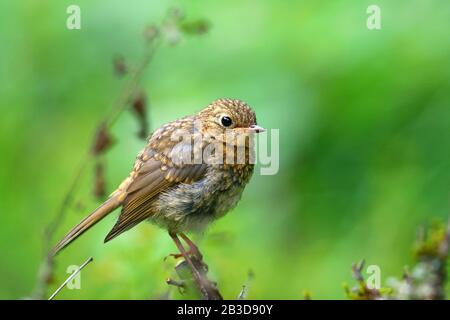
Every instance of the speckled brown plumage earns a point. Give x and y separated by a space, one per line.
170 187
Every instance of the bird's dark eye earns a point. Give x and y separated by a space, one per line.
226 121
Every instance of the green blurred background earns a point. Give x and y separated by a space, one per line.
364 138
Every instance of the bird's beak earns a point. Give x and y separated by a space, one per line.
256 128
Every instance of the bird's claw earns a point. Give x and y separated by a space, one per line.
192 252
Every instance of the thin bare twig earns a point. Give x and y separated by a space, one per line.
246 287
89 260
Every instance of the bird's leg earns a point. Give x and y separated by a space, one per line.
185 255
179 245
193 249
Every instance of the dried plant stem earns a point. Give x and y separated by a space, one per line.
131 88
47 265
120 105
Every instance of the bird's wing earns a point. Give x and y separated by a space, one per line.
154 174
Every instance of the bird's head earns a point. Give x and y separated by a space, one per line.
225 117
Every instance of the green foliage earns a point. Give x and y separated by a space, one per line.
430 245
426 279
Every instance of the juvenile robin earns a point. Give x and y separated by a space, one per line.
191 172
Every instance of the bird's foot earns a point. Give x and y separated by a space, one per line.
174 255
194 252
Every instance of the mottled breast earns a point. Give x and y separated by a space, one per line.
191 207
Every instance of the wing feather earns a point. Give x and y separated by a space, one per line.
153 177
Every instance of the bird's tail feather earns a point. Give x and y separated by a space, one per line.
107 207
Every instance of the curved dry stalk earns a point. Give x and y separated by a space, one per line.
121 104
